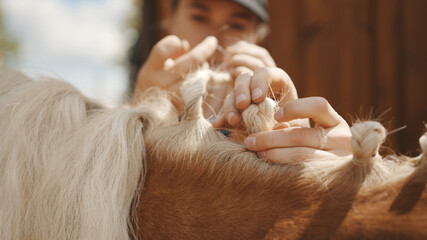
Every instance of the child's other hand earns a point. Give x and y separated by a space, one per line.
243 56
169 59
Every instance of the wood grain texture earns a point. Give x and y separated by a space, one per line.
368 58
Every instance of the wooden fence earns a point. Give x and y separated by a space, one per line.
362 55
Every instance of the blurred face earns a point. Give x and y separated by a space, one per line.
229 22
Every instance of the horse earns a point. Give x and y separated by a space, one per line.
72 168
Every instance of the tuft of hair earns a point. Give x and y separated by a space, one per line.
260 116
192 91
69 167
192 127
367 138
28 112
212 84
10 80
365 168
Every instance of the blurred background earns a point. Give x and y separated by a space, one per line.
367 57
84 42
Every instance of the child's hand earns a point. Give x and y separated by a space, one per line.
329 138
243 56
170 58
254 87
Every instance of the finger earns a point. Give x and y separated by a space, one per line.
281 126
277 79
288 137
219 122
241 91
264 78
316 108
248 61
169 47
231 113
185 45
305 122
292 155
235 72
196 56
252 50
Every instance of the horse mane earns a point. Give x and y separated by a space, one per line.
71 168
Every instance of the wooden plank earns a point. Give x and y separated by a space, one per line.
414 80
388 31
282 41
336 50
320 52
355 58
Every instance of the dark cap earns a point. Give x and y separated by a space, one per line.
258 7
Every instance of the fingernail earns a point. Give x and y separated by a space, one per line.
240 98
256 93
261 154
211 38
230 116
250 141
169 63
279 114
185 45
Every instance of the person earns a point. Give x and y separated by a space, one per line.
226 34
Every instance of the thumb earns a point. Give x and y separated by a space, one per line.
196 56
169 47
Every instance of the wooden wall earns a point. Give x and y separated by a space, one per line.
367 57
362 55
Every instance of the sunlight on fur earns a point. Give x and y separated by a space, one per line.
71 168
